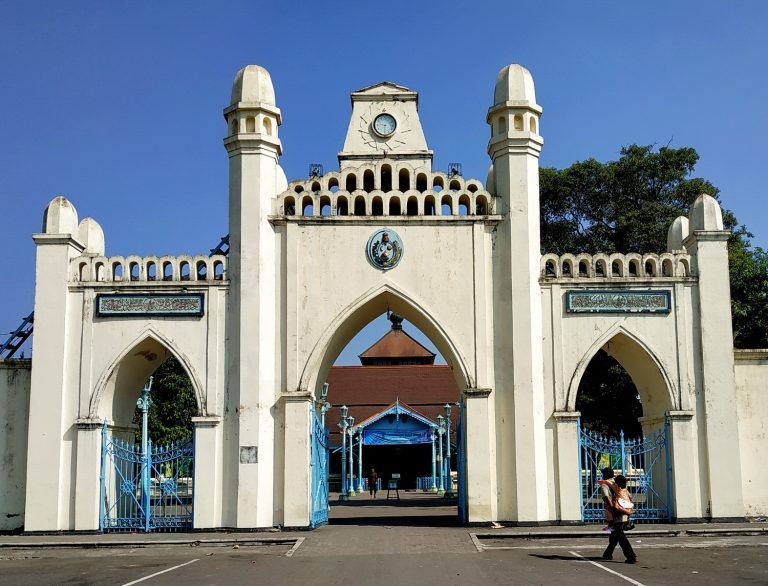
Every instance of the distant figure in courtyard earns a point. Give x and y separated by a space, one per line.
618 508
373 479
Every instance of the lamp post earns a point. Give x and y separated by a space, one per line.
359 459
449 478
325 404
440 432
433 488
143 403
343 426
350 483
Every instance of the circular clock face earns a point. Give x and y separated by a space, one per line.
384 124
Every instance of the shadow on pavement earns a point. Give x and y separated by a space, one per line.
567 558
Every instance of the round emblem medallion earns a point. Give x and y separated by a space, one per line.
384 249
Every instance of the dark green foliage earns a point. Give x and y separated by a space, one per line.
173 404
627 205
608 399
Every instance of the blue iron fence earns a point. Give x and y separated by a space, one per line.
152 491
643 461
320 460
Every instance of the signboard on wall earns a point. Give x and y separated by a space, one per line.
150 305
615 301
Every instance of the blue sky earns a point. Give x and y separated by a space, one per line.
118 105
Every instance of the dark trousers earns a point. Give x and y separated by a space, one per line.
617 536
372 488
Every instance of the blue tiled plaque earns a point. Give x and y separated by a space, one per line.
613 301
147 305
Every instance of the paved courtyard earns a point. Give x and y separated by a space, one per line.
411 541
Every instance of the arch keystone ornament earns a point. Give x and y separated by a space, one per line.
384 249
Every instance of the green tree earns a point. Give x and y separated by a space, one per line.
627 205
173 404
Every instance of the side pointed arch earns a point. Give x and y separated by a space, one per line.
657 391
139 362
359 313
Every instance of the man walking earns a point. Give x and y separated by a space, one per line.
616 515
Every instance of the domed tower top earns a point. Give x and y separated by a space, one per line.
253 85
514 84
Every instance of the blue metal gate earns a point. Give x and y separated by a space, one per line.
146 490
643 461
461 469
319 465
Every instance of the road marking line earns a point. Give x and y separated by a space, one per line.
296 545
614 572
479 546
161 572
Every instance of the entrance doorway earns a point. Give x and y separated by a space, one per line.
623 426
393 418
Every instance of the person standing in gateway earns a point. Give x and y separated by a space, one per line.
373 479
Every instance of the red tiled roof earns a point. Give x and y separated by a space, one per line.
368 390
397 344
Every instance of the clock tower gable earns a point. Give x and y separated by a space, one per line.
385 124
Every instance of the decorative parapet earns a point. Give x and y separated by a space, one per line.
751 355
122 269
572 267
385 189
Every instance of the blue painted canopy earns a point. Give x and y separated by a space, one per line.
397 425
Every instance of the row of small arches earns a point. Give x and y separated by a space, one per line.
392 204
249 124
616 266
102 269
386 178
518 124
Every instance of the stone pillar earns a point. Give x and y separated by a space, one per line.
479 453
568 472
51 400
297 505
253 373
683 454
207 483
88 480
514 148
708 245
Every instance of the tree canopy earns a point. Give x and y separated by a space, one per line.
173 404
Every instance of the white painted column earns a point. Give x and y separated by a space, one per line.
683 453
710 251
207 483
47 507
88 479
568 473
298 460
479 453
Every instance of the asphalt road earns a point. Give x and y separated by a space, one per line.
386 555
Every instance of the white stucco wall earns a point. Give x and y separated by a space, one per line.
752 407
14 407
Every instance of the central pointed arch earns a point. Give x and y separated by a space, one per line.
359 313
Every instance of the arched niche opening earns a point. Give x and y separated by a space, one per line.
623 388
175 400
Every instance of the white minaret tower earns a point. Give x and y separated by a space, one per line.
519 386
252 379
